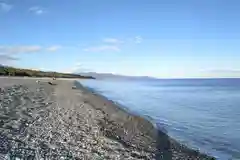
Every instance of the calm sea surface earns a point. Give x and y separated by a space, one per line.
201 113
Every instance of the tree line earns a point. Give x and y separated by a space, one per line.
11 71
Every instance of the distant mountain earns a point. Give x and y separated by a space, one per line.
115 76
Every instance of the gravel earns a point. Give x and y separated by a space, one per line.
42 121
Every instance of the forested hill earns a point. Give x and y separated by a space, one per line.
11 71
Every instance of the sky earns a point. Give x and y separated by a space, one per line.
159 38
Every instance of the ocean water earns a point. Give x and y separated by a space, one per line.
201 113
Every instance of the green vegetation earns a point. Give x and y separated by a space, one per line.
10 71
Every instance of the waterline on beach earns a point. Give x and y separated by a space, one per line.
195 112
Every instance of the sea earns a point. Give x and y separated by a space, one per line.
203 114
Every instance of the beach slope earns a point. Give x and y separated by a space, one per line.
39 120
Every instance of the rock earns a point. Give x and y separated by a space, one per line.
4 144
74 87
136 154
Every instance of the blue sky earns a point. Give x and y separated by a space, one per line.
160 38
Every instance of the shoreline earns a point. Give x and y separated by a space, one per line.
39 120
156 134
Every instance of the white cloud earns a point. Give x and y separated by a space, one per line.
112 40
221 74
138 39
53 48
37 10
42 69
113 44
78 67
78 64
6 59
103 48
19 49
70 70
27 49
5 7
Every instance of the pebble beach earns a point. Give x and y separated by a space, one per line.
39 120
